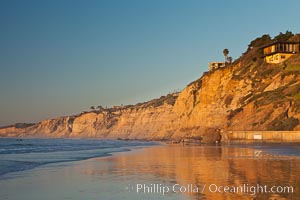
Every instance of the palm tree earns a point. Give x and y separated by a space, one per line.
225 52
228 59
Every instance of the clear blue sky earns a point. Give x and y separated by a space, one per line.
59 57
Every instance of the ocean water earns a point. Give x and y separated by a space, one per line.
23 154
285 150
205 167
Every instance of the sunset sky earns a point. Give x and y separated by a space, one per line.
59 57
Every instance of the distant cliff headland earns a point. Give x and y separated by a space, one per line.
258 91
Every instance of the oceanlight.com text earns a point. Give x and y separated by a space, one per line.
158 188
251 189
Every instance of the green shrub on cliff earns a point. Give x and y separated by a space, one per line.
260 41
281 123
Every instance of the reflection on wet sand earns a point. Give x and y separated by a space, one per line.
206 165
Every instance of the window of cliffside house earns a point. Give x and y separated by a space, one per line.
282 57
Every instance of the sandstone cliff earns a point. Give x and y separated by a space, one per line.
248 94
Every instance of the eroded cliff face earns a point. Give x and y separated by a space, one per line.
246 95
150 120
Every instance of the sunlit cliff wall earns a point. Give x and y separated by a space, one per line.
248 94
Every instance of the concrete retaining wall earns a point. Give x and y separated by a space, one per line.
260 136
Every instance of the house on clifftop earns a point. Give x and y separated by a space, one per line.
278 52
215 65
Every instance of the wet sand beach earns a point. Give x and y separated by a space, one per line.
162 172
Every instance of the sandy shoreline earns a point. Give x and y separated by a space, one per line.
154 168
